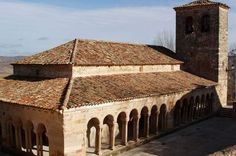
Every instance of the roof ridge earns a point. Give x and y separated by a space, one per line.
196 3
67 94
74 51
114 42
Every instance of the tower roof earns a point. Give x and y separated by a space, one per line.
200 3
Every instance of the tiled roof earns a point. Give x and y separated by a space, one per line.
202 3
46 94
110 53
59 55
51 93
99 89
90 52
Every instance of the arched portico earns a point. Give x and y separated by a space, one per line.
153 121
122 126
109 121
144 123
133 125
162 123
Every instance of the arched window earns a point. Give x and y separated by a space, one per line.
205 23
189 25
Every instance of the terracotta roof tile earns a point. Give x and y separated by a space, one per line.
202 3
46 94
100 89
90 52
59 55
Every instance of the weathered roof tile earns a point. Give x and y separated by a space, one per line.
46 94
90 52
100 89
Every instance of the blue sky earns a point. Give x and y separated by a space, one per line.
31 26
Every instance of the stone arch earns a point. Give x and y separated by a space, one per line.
162 120
153 120
202 105
108 132
10 130
189 25
19 134
121 138
197 107
184 111
42 140
144 122
30 137
133 125
191 109
177 113
205 23
94 123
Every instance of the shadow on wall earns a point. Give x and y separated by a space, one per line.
141 124
201 139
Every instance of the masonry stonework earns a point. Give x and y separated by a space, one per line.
89 97
42 71
204 53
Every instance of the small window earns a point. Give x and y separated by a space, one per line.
189 25
205 23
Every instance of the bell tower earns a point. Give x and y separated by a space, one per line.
202 41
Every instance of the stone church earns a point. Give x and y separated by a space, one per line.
89 97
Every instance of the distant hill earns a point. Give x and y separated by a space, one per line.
5 67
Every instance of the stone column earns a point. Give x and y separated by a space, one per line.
88 136
30 139
147 116
27 139
157 119
199 109
17 137
11 140
124 132
39 142
112 136
98 140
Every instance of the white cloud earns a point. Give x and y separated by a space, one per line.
25 23
30 22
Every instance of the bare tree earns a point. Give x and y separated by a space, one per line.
232 47
166 39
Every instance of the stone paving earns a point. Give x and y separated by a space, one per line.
210 136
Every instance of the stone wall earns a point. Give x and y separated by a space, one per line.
231 78
76 120
82 71
198 50
205 53
52 121
223 56
46 71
